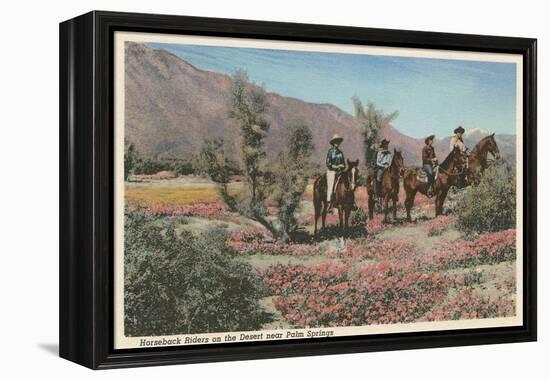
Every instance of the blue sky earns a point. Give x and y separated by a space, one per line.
431 95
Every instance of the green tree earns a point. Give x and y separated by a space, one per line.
291 176
372 120
247 107
131 159
212 161
287 178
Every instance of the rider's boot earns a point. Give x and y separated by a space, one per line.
430 192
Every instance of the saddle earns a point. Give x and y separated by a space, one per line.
422 175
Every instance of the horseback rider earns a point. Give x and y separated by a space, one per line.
335 164
383 160
429 162
457 142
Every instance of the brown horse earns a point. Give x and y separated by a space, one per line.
390 185
344 195
450 172
478 160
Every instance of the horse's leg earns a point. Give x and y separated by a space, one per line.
347 212
371 205
409 203
439 203
386 202
317 207
395 198
341 217
442 196
324 214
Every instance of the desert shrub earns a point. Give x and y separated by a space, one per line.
491 205
185 283
360 217
455 198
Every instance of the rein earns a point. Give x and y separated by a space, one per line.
393 169
451 174
481 153
394 174
445 171
345 178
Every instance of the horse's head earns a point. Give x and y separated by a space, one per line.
353 170
398 161
492 147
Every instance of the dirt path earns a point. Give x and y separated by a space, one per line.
264 261
278 322
417 233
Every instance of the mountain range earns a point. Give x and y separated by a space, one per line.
171 107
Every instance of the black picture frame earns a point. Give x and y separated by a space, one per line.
86 188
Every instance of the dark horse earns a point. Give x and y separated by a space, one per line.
451 170
478 160
390 185
344 195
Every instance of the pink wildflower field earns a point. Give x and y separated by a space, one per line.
391 273
397 283
438 225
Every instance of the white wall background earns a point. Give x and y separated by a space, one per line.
29 187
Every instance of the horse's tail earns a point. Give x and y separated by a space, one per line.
318 188
370 179
408 177
318 199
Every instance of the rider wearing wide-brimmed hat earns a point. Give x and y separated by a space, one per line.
429 161
335 163
383 160
456 140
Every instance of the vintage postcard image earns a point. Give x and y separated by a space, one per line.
271 190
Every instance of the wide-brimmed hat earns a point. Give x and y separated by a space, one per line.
384 142
459 130
336 139
430 137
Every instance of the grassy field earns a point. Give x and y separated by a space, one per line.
174 192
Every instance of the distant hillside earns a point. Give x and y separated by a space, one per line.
171 107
